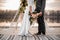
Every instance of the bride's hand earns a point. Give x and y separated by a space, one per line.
34 15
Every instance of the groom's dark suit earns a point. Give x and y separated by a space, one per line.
40 6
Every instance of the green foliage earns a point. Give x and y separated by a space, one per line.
23 6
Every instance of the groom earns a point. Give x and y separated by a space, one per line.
40 6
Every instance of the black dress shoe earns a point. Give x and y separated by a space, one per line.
43 33
38 34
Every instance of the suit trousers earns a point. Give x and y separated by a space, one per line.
41 24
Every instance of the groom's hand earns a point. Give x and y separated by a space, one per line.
39 14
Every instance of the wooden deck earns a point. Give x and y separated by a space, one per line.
33 37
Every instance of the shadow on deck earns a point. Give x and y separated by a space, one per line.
33 37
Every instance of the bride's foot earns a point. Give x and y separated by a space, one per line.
28 34
21 35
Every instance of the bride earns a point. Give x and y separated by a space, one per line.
25 22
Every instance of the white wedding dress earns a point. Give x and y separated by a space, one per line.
25 22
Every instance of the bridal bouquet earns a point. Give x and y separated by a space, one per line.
33 16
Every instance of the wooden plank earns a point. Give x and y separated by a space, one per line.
30 38
55 37
8 37
37 38
4 37
45 38
58 36
49 37
17 37
42 37
1 35
33 37
11 37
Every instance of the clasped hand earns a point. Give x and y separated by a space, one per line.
36 15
